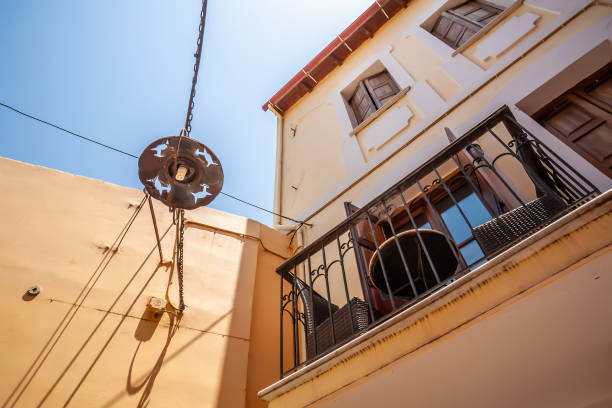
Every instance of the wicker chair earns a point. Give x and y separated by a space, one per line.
509 227
317 320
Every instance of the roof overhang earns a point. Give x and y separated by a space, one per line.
334 54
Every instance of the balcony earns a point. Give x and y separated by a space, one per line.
485 192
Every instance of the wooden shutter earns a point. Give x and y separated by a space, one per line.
452 31
582 119
599 92
476 12
364 250
457 25
586 128
381 87
361 103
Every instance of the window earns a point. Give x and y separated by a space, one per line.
455 26
371 94
582 119
443 215
458 228
438 212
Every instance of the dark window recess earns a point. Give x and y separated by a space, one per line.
372 93
440 213
582 119
455 26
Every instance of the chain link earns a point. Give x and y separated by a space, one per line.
186 132
196 68
181 228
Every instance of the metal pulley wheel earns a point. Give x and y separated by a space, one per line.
180 172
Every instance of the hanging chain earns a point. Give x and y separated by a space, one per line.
196 68
180 225
181 228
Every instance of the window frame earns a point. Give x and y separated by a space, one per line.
364 243
375 102
473 25
420 206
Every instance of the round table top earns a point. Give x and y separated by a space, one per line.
440 252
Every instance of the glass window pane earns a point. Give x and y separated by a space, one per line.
474 210
472 207
456 224
471 252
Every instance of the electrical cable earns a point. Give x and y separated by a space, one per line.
68 131
263 209
136 157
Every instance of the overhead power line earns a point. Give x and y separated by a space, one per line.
67 131
136 157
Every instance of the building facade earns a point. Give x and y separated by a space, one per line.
451 162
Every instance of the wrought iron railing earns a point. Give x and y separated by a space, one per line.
483 193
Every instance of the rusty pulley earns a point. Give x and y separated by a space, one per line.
180 172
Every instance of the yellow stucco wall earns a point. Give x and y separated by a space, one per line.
311 168
545 18
88 340
315 151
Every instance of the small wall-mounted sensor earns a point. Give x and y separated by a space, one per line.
31 293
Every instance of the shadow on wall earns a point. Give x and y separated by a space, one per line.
149 379
144 332
65 322
236 353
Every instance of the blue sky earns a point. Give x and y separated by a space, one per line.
119 71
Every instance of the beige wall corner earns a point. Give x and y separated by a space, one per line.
88 338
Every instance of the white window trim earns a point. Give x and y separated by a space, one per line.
380 111
431 18
483 31
354 158
422 95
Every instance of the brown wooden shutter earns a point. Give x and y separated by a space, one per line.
582 118
361 103
364 250
452 31
382 88
599 92
476 12
586 128
457 25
